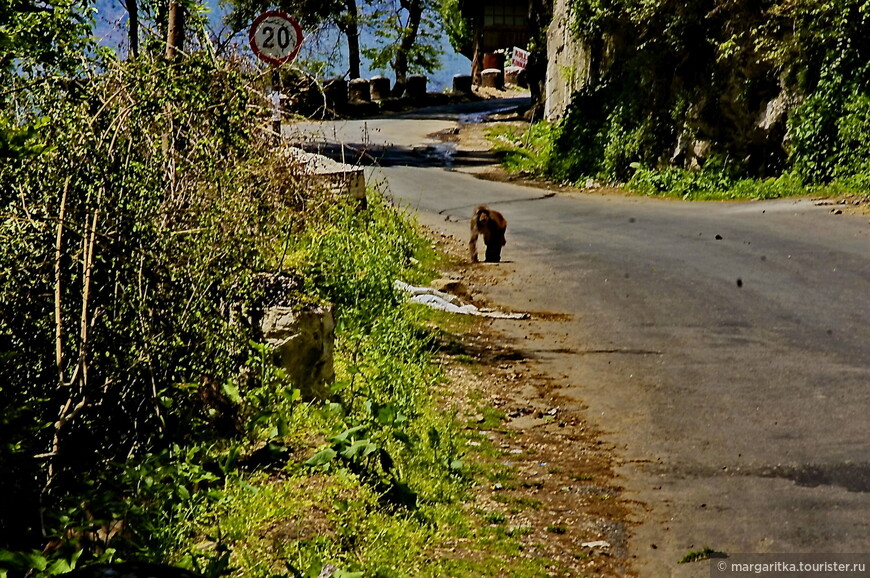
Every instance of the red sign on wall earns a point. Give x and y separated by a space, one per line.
520 57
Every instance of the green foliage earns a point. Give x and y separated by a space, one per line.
665 76
528 151
123 246
36 562
398 33
622 134
49 41
364 450
352 257
309 13
458 28
830 134
19 142
699 555
265 396
710 185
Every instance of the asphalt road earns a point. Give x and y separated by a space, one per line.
724 348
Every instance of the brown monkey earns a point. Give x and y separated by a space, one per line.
491 224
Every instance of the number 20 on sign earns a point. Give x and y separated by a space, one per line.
275 37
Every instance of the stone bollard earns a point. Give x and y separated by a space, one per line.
302 344
462 84
358 90
415 88
516 76
492 78
335 93
493 60
379 87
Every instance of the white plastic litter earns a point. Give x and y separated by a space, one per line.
447 302
596 544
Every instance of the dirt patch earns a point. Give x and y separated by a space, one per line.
554 489
854 204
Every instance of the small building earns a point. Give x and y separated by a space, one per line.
495 25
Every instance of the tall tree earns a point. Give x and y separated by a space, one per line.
409 37
174 29
349 25
414 9
133 27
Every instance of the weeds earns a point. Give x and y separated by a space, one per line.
710 185
527 151
533 152
699 555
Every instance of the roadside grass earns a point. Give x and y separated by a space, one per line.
710 185
525 150
292 521
700 555
381 479
531 151
715 185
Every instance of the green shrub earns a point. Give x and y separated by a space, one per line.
122 248
707 185
528 151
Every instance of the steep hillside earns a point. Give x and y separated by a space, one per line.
747 89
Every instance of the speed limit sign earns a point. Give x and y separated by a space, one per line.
275 37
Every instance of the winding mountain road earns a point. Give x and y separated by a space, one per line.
724 348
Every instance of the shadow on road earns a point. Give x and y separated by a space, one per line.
357 151
422 156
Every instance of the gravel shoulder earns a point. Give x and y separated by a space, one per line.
560 492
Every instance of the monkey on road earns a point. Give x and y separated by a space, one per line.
491 224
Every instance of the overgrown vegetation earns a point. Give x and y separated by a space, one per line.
699 555
717 99
141 205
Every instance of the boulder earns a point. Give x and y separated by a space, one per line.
338 178
335 93
515 76
415 88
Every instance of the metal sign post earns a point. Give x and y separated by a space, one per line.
275 38
276 105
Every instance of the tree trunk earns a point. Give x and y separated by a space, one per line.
477 44
536 69
174 30
351 31
133 32
409 37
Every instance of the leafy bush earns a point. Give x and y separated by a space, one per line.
709 186
351 257
122 247
527 151
664 75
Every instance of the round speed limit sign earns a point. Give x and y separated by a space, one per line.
275 37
